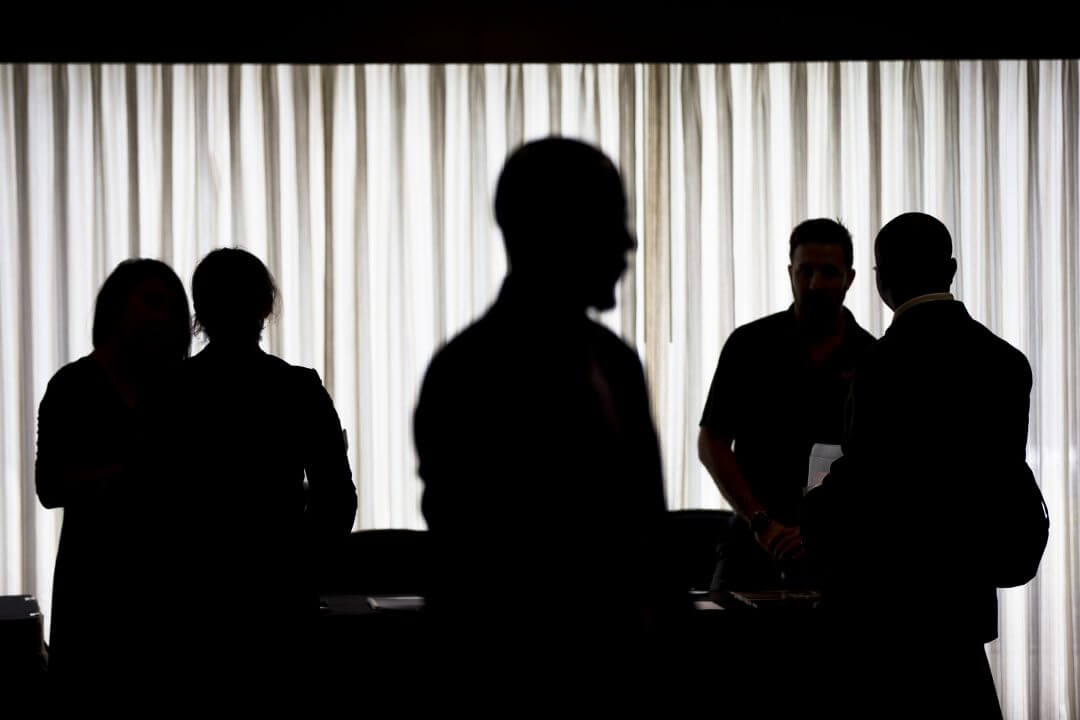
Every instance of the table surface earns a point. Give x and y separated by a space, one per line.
725 600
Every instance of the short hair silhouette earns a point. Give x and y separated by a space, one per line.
233 293
116 292
914 250
825 231
546 187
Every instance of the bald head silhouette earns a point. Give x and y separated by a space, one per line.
562 210
914 257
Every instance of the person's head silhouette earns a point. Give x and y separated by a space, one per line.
233 294
141 316
821 271
562 210
914 257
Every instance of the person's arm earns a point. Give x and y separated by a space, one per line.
332 495
61 478
714 451
726 400
444 423
829 508
427 438
665 601
653 499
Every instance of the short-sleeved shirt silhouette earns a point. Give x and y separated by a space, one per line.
768 397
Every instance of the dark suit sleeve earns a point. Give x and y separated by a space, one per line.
859 409
828 509
332 495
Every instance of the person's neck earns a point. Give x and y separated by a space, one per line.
823 333
233 346
534 297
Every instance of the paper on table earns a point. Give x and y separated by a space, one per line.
396 602
822 456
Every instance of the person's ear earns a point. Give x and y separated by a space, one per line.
950 271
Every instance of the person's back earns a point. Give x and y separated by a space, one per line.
948 408
249 529
97 426
913 524
550 481
249 435
542 481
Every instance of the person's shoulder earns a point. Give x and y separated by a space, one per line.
858 336
869 353
767 330
302 378
605 336
768 323
464 348
872 357
463 355
76 373
767 327
298 386
195 364
77 369
476 334
1001 352
612 345
273 363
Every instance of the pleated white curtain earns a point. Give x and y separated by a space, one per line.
367 191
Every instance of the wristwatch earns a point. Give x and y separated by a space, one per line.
759 521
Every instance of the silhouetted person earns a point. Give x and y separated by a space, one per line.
96 432
255 427
543 488
780 387
907 521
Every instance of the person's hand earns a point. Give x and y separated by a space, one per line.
781 541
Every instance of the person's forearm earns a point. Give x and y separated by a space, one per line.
719 460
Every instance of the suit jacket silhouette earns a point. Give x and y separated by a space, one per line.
541 467
936 434
254 427
907 524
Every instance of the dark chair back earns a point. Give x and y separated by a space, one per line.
693 537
